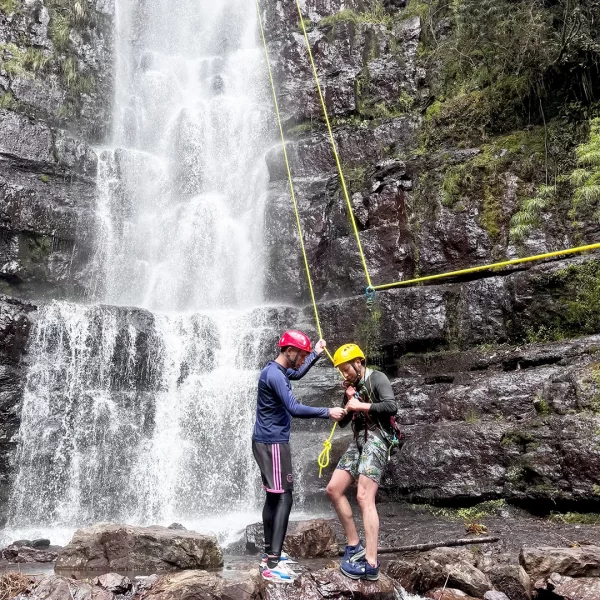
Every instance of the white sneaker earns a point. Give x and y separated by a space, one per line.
283 558
282 573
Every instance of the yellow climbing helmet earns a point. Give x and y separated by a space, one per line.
346 353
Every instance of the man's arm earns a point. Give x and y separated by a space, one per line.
311 359
295 409
385 404
347 418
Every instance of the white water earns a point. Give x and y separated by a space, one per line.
146 417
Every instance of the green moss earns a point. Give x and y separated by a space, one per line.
355 177
7 101
368 334
470 514
8 7
39 248
575 518
307 23
301 128
44 178
472 416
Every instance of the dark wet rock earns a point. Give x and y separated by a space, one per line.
129 548
507 575
238 585
438 568
15 326
45 93
448 594
178 526
575 562
330 583
40 543
311 539
314 538
55 587
113 582
560 587
27 553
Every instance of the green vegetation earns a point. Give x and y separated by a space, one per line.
306 22
355 177
8 7
586 178
7 101
575 518
368 334
377 15
577 299
44 178
490 508
17 61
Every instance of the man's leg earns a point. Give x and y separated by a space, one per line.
367 489
268 516
336 491
280 525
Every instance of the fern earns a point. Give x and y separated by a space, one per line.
529 214
586 178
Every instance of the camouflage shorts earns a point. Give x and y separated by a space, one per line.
366 458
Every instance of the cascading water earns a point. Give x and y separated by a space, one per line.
145 414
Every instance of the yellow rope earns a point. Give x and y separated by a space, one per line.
334 147
498 265
289 174
323 459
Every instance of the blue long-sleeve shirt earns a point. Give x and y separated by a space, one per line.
276 405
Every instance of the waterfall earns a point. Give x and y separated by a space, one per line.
139 406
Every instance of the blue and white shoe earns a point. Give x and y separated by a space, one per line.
284 558
282 573
360 569
354 553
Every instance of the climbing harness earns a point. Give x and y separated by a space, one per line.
323 459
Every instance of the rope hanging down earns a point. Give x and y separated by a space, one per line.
334 148
323 459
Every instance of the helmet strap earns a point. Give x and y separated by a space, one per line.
358 372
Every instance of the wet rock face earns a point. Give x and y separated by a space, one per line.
30 552
47 196
128 548
55 587
62 75
15 325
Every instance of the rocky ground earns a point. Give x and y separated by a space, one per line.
533 558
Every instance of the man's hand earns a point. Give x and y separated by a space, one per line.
354 404
337 414
350 391
320 346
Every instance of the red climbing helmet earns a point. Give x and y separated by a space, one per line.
297 339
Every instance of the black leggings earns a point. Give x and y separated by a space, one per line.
276 514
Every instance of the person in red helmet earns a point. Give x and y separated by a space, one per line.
275 407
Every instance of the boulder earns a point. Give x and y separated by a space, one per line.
575 562
40 543
507 575
128 548
55 587
113 582
443 566
330 583
305 539
448 594
200 585
569 588
20 552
